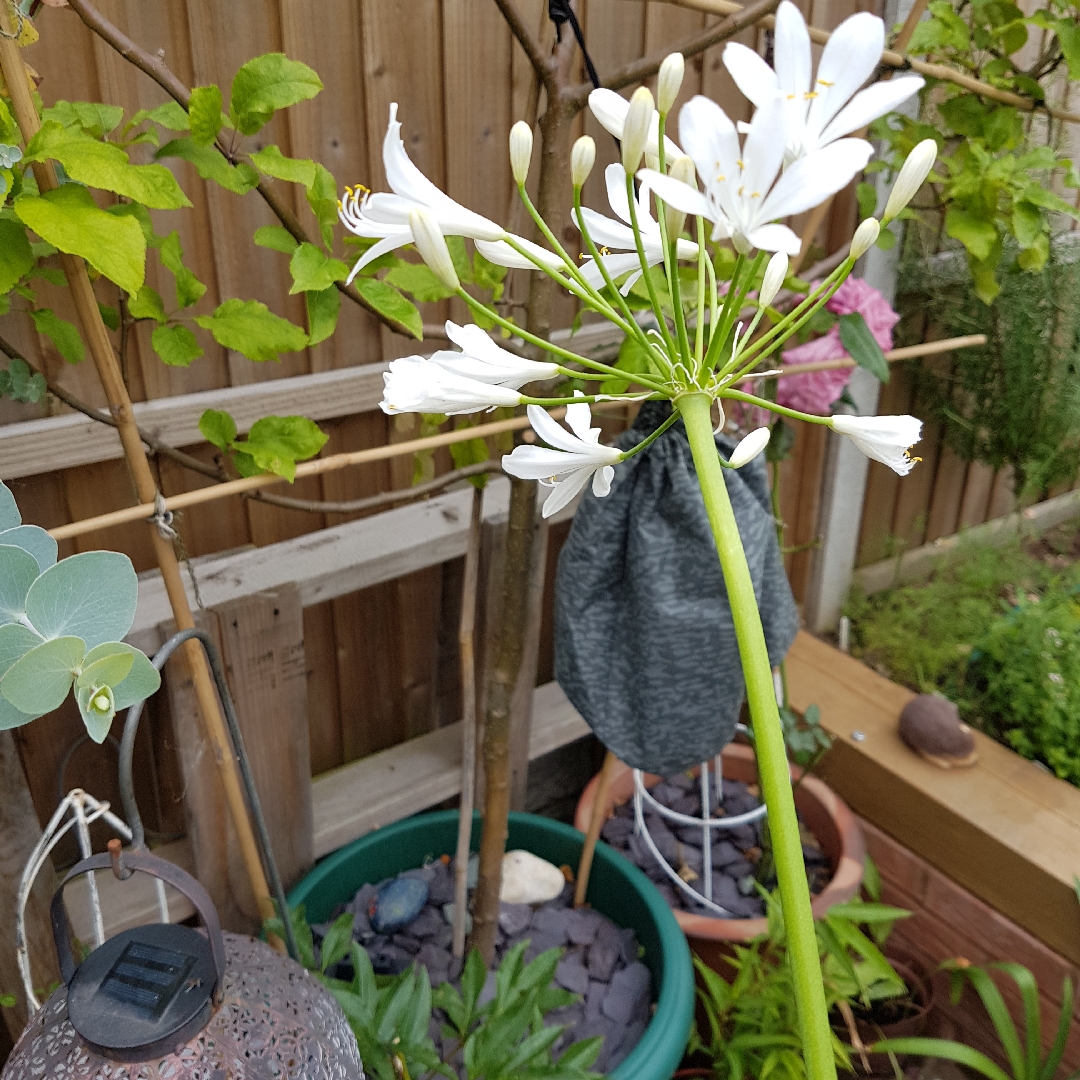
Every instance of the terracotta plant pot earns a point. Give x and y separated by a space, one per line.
824 813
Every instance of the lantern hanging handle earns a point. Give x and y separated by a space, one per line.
127 784
155 867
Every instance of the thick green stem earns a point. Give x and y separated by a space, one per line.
768 742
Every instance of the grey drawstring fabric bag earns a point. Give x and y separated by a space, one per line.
645 645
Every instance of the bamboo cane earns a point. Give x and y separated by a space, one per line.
145 511
120 406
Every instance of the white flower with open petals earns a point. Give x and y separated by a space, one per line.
611 109
884 438
501 253
415 384
824 111
568 467
618 235
484 360
743 195
385 217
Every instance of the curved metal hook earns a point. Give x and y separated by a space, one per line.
127 785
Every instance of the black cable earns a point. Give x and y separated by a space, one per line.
560 12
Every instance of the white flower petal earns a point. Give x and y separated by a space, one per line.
579 421
709 137
502 254
812 179
677 194
749 447
389 243
869 104
751 74
611 109
775 238
850 57
616 266
601 481
540 463
565 491
791 52
605 231
553 433
763 151
884 438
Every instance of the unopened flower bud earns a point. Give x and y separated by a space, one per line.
750 447
912 174
865 236
636 129
521 144
669 81
582 157
681 169
430 242
775 273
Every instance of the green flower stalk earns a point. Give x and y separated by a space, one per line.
701 347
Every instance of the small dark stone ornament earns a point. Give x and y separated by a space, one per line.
931 726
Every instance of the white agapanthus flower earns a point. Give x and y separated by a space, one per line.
745 193
385 217
567 468
749 447
611 109
822 110
884 438
415 384
500 252
620 236
484 360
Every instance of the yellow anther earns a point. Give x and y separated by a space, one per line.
604 251
810 94
720 178
791 97
823 82
741 164
348 189
741 190
756 195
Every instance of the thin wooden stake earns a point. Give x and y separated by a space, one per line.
467 650
596 823
120 406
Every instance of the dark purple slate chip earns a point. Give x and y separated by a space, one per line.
571 975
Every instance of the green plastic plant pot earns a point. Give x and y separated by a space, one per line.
617 889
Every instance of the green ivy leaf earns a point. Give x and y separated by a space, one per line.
276 238
147 304
189 289
977 234
264 85
105 165
69 219
95 119
276 443
210 164
386 300
175 345
61 333
312 271
35 540
39 681
322 197
218 428
857 339
204 112
250 328
91 596
273 162
18 571
322 312
16 257
419 281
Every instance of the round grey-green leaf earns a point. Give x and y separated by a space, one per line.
34 539
16 641
9 512
142 681
97 708
18 572
40 680
10 717
91 596
110 669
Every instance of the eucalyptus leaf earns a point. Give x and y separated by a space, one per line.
91 595
18 572
9 511
10 717
142 681
108 669
97 709
16 641
35 540
39 681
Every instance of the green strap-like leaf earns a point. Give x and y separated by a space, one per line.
35 540
39 681
70 220
91 596
18 572
943 1048
861 345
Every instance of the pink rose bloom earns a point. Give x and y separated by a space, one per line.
815 392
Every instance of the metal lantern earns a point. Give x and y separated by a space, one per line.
169 1002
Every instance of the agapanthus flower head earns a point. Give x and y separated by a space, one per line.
884 438
573 460
745 193
415 384
821 108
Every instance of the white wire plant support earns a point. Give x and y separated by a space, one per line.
82 810
711 796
